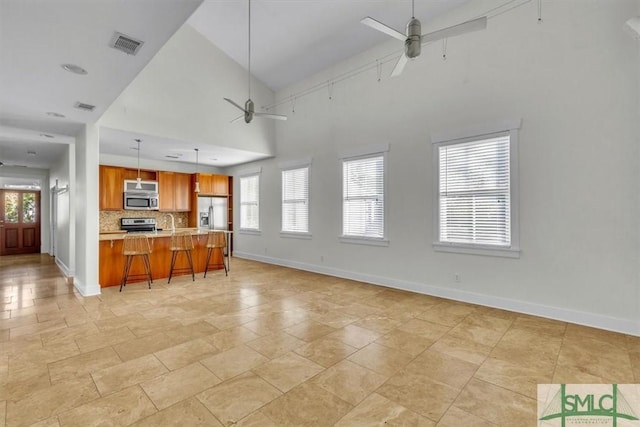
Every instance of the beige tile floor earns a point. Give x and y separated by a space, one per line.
272 346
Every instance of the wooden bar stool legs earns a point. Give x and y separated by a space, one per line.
133 246
181 242
216 240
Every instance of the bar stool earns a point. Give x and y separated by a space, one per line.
216 240
181 242
132 246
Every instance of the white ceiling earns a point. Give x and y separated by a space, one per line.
291 40
294 39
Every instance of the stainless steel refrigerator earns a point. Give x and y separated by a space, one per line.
212 213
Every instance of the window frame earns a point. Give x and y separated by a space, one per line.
479 133
249 174
358 154
288 166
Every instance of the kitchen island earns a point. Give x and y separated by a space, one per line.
112 260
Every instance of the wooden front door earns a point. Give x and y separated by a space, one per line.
19 222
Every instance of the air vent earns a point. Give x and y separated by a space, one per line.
85 107
125 44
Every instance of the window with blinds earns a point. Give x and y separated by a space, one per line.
475 192
363 197
295 200
250 202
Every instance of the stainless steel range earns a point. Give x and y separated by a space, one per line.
138 225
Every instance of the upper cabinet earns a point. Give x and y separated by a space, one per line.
144 174
111 187
213 185
175 191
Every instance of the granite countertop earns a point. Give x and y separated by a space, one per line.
119 235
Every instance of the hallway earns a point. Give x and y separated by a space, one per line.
273 346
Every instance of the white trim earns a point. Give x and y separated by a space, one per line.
250 231
66 271
460 248
625 326
355 240
511 128
249 172
295 164
363 151
385 209
87 291
294 235
477 130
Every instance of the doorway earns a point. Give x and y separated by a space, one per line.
19 222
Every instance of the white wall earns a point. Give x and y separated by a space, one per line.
179 95
85 210
64 237
574 82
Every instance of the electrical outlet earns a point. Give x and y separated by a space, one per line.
456 277
179 220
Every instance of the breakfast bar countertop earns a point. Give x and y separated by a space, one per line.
119 235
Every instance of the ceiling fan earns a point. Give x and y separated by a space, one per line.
249 109
413 40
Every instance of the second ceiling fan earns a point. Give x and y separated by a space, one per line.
249 108
413 40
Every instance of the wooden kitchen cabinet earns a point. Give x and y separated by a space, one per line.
145 175
220 185
213 185
206 183
182 195
174 191
111 187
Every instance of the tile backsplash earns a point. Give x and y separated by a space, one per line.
110 220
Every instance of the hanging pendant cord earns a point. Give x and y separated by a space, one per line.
249 53
413 7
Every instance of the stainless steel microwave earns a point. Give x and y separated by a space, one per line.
144 198
141 201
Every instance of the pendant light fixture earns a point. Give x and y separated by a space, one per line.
197 189
139 180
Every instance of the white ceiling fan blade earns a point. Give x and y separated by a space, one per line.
270 116
233 103
397 70
377 25
456 30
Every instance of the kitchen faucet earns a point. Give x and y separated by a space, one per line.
173 222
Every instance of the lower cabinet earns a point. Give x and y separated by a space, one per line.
112 260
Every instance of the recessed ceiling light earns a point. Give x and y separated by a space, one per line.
31 152
54 114
213 159
46 135
134 148
73 68
172 156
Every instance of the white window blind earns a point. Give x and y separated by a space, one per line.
474 192
250 202
295 200
363 197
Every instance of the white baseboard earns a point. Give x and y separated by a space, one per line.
66 271
625 326
86 291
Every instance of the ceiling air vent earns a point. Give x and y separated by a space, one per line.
85 107
125 44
